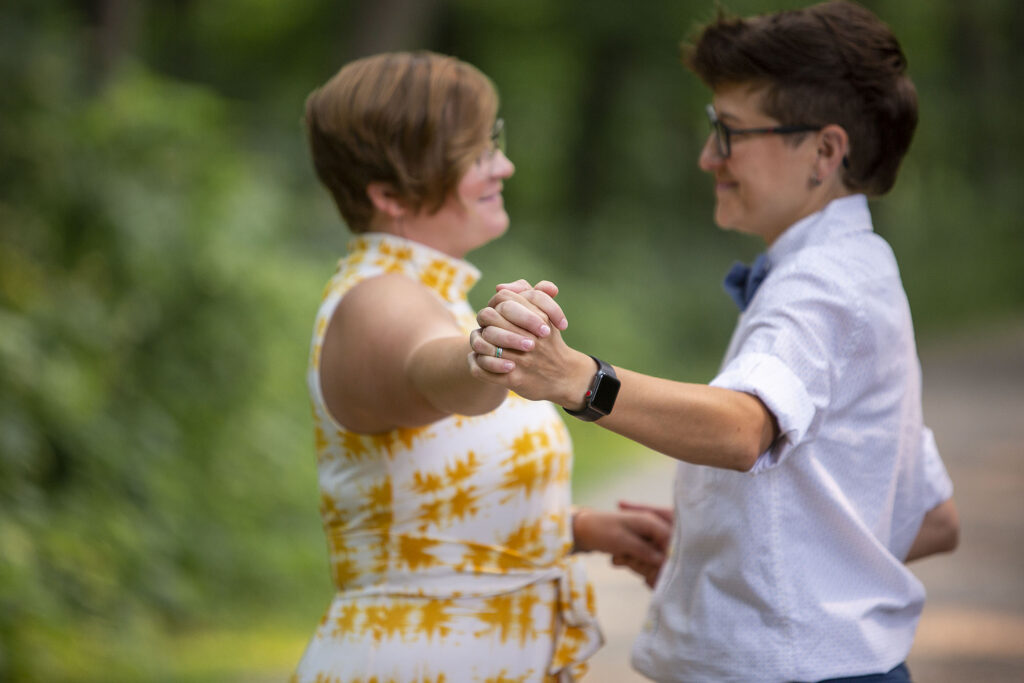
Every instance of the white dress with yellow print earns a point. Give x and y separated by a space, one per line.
448 543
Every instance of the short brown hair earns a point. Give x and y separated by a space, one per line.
835 62
415 120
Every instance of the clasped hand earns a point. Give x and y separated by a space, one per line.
525 323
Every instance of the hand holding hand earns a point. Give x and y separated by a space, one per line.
664 511
648 570
525 314
637 539
519 346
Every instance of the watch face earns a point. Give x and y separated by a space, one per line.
604 395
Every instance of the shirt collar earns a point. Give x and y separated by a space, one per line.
840 217
450 277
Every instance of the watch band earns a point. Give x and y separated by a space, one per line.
600 397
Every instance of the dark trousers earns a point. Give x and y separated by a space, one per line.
898 675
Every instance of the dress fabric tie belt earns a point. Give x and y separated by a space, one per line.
443 573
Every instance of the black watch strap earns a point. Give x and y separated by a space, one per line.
600 397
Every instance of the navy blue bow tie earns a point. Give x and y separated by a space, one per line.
742 281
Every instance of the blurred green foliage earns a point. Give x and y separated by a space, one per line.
163 243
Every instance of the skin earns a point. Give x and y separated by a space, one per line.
404 364
770 182
939 533
766 184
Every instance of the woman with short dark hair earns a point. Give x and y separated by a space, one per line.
807 478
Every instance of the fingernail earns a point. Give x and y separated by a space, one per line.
563 324
527 344
545 330
508 365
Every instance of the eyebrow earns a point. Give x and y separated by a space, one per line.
725 116
737 121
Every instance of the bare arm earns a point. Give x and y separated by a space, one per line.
637 538
691 422
939 532
648 570
393 356
636 532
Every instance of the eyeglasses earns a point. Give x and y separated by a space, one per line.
723 133
497 142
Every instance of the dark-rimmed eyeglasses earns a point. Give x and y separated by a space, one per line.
723 133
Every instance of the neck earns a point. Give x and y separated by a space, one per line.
819 198
423 232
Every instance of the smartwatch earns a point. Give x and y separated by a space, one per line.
600 397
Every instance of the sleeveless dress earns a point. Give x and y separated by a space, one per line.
449 543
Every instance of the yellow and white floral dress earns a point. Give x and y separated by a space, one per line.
448 544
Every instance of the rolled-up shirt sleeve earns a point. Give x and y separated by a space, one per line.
939 487
787 360
782 392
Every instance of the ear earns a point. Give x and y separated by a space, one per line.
833 146
385 199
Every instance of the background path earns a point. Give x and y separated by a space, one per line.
973 624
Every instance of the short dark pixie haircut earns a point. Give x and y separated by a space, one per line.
414 120
835 62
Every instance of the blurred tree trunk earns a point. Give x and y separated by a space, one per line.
114 25
387 25
607 67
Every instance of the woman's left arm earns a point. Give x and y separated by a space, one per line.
939 532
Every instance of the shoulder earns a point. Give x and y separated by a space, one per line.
389 297
380 319
845 298
840 272
374 330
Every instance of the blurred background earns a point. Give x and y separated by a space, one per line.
163 245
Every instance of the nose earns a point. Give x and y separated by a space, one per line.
501 165
710 159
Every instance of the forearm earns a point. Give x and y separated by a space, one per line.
691 422
939 532
438 371
695 423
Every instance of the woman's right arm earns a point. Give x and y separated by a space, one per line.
393 356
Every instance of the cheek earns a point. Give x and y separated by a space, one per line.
471 186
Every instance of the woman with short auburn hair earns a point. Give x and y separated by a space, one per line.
445 500
415 120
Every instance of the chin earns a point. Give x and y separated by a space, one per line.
490 232
500 225
724 221
499 231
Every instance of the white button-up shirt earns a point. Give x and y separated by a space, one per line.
793 571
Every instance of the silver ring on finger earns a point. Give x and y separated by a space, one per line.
497 352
